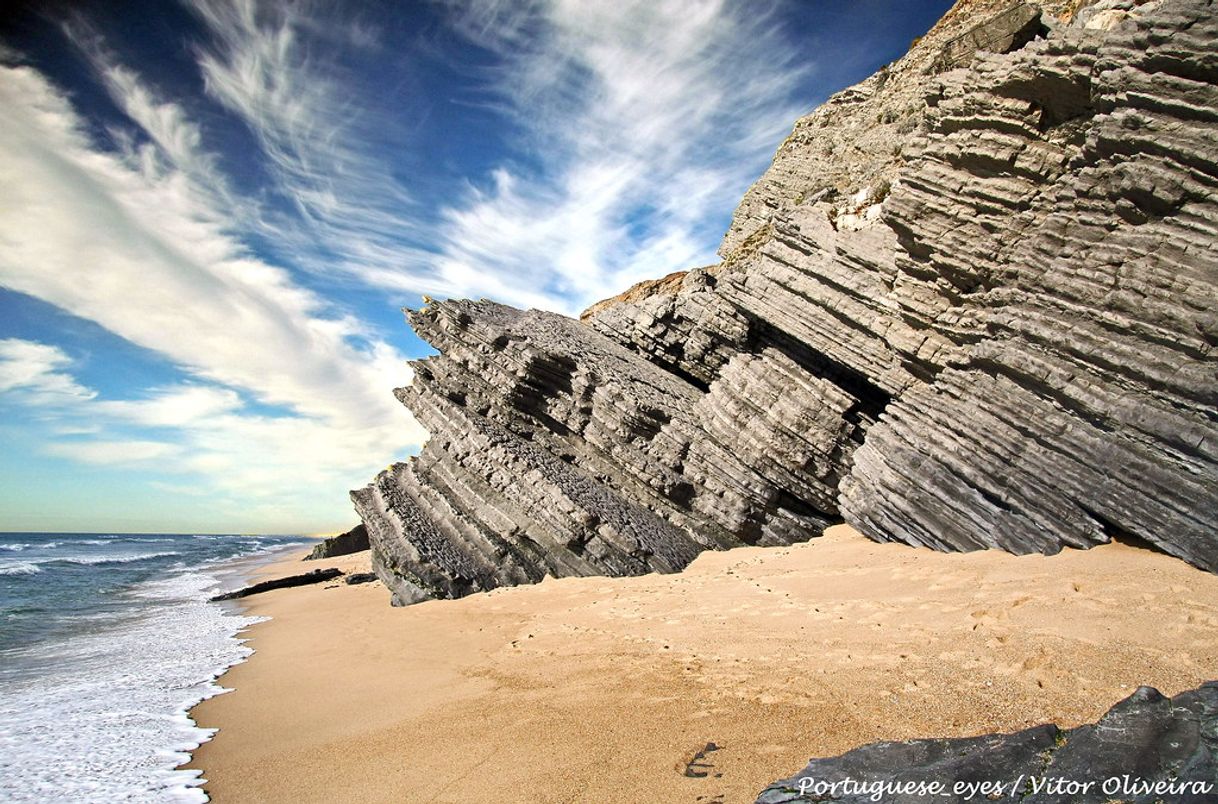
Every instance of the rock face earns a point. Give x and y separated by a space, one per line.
1146 749
971 304
555 450
353 541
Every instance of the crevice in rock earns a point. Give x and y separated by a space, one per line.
676 370
1115 533
872 400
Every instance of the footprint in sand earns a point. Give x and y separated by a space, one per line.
700 765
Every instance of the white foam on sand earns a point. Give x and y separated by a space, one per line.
104 715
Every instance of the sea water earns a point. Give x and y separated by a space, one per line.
106 641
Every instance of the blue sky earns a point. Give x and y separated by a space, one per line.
211 214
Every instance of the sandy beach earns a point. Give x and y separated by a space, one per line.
598 689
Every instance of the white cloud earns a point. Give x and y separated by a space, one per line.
649 118
38 373
319 130
174 407
653 117
113 453
134 244
145 256
203 431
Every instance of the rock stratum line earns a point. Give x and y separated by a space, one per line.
973 303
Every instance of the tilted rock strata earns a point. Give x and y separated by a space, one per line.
857 138
1006 341
557 451
1084 403
1033 311
1148 748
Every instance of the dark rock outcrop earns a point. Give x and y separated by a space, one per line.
353 541
304 579
359 577
965 308
1146 749
554 450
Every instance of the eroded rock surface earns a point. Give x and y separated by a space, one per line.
1146 749
556 451
989 322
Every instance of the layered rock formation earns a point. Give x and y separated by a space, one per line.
555 450
971 304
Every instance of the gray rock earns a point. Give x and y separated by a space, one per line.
1001 336
859 137
556 451
353 541
1006 31
1080 403
1146 749
359 577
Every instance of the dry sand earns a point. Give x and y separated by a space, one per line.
601 690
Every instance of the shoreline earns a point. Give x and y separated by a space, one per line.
594 689
235 573
111 644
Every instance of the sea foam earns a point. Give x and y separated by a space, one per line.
105 715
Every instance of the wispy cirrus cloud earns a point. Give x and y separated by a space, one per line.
277 67
124 241
641 123
129 240
650 119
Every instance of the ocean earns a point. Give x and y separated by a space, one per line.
106 641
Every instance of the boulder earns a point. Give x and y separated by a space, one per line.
1146 749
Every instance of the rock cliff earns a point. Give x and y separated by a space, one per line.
973 303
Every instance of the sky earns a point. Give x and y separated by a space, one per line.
212 213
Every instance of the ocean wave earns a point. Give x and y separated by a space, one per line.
17 547
20 568
114 539
67 744
243 551
103 560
